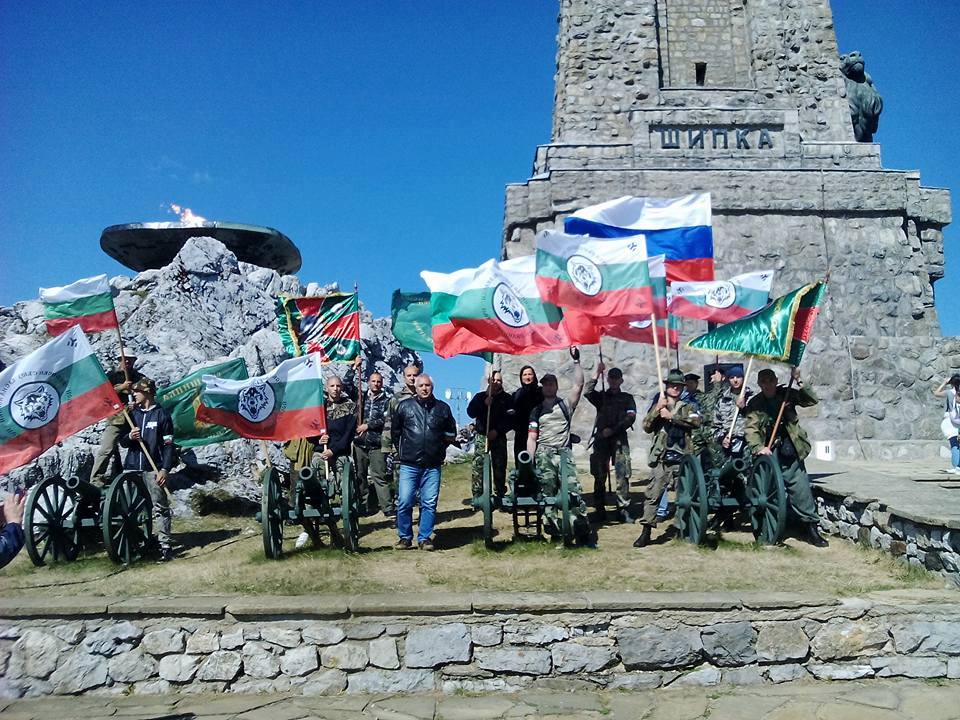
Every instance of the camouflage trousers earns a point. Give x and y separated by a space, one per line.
550 463
662 477
335 467
603 455
498 465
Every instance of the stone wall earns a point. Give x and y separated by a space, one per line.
712 32
486 642
928 545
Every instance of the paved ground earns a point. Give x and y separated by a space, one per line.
919 491
872 700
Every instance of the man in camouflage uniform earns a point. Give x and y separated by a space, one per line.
117 425
549 444
616 413
332 450
725 408
790 446
367 449
500 405
671 422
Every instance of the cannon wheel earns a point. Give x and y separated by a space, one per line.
692 501
486 502
566 524
349 509
48 523
768 500
127 518
271 514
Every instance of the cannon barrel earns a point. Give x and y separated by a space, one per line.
525 482
733 466
310 482
88 491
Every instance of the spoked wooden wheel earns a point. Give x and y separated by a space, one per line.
486 502
127 518
768 500
51 531
349 509
566 523
692 501
271 513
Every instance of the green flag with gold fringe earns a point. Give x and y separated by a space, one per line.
182 398
778 332
410 320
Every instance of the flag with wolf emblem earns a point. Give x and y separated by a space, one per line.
721 301
601 277
182 399
51 394
284 404
497 308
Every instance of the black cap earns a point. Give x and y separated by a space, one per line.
766 372
548 378
691 376
615 373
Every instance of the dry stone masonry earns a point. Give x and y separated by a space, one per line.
747 101
469 643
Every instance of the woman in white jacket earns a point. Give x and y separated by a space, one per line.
950 388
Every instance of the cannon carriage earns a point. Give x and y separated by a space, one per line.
311 500
525 502
64 516
712 487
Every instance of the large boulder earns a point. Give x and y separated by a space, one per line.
202 308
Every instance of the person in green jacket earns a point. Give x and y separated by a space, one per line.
671 422
790 447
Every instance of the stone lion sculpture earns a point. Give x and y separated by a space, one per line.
864 100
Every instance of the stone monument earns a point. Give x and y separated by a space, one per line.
747 101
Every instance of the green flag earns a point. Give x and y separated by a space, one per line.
410 320
778 332
183 397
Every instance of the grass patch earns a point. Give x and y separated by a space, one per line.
224 555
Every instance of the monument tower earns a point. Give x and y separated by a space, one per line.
746 100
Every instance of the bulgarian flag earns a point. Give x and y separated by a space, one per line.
284 404
328 325
51 394
604 278
497 308
680 228
778 332
721 301
87 303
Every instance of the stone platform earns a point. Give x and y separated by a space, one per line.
469 643
878 699
910 509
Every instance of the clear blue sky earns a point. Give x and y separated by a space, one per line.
362 130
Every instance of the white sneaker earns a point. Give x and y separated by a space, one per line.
953 471
302 539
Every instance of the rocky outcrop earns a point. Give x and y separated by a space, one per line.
203 307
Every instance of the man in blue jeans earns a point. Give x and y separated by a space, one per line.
420 430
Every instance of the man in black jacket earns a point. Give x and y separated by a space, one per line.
420 430
152 426
500 407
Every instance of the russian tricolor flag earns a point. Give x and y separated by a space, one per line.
680 228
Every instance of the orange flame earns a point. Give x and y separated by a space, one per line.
186 215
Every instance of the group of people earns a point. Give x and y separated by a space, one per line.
399 441
726 420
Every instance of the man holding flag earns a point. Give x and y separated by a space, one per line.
123 379
790 443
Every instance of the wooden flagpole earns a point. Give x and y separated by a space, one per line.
123 352
783 406
143 447
743 392
656 354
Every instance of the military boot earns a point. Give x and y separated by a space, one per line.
644 538
812 535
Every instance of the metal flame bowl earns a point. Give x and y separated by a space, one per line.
143 246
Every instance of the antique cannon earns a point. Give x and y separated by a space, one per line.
314 500
63 516
526 502
753 486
